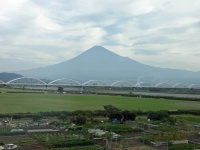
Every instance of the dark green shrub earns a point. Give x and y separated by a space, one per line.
159 115
62 117
13 133
172 120
112 112
60 90
147 140
119 128
127 115
36 117
1 144
76 128
115 113
71 143
79 119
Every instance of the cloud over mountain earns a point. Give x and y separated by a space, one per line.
36 33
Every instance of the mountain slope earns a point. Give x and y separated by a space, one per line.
5 77
100 64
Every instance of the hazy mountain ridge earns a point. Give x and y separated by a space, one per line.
100 64
5 76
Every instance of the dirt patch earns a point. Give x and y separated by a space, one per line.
14 138
138 147
141 148
24 142
188 104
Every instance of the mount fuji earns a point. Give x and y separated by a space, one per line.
98 63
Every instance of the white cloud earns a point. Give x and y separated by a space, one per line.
46 32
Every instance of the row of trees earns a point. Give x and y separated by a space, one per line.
105 112
111 112
162 116
115 113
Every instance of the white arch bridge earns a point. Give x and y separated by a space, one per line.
31 81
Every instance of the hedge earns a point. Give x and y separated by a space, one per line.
71 143
13 133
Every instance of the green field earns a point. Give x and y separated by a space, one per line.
17 90
25 102
188 118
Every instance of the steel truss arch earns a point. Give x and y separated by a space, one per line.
26 78
121 84
94 83
163 85
1 82
179 85
194 86
58 80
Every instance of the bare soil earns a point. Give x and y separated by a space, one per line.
14 138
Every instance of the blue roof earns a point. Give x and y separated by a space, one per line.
115 120
196 126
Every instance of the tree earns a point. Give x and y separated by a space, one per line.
127 115
172 120
79 119
36 117
115 113
112 112
60 90
62 117
159 115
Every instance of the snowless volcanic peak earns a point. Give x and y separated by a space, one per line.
98 63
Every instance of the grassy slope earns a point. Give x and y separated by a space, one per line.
17 102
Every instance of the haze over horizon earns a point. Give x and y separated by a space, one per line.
36 33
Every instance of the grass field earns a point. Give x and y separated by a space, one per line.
17 90
25 102
188 118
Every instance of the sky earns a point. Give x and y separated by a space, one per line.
161 33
